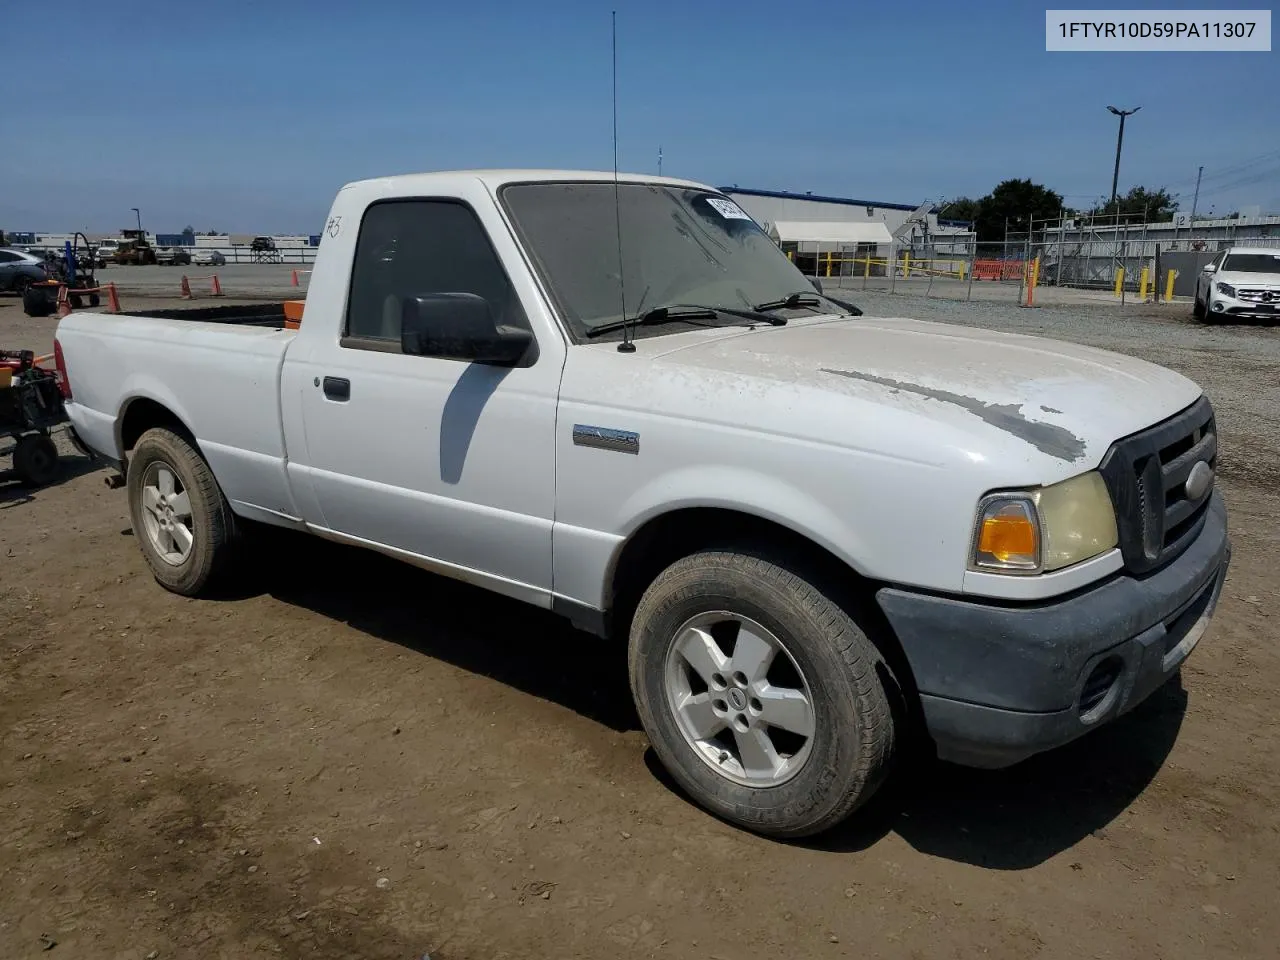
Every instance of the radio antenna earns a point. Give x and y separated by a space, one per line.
627 345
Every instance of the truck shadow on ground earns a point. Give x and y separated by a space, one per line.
1005 820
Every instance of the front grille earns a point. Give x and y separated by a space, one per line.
1258 295
1146 474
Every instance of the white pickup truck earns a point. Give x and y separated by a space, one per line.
818 532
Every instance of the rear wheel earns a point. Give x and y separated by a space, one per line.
181 519
760 694
35 460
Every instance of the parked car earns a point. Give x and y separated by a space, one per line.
106 251
173 256
209 258
1240 282
18 268
811 528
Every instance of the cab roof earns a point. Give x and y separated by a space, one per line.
494 179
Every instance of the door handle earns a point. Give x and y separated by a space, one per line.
337 388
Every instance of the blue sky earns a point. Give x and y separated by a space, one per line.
247 115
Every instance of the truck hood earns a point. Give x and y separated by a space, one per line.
1069 402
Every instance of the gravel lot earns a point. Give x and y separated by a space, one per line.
353 758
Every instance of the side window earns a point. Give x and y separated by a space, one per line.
6 257
408 248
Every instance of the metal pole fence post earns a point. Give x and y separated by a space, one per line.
1123 250
891 265
973 256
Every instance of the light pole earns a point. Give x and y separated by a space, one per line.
1115 177
139 212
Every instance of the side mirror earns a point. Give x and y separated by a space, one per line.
460 326
1208 268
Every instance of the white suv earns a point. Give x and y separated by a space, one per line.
1239 282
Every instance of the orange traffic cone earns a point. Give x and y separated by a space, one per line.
186 288
217 287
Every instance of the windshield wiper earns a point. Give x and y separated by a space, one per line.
804 298
791 301
680 313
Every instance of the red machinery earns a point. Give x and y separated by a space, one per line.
31 405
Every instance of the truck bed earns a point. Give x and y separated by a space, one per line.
216 368
246 315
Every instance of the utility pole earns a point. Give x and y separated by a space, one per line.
1115 177
1196 199
659 159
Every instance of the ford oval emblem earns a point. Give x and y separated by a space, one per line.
1199 480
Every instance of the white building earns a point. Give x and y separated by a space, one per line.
816 229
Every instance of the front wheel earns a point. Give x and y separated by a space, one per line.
180 517
760 694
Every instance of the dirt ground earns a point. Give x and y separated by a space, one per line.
351 758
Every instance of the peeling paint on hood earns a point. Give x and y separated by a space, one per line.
1047 437
1061 400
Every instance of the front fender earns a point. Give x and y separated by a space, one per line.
747 491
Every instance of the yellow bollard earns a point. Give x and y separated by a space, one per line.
791 255
866 268
906 263
960 269
1143 279
1119 279
828 263
1168 285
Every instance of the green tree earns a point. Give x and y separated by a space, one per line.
1156 205
1014 203
961 208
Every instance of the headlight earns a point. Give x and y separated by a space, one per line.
1227 289
1036 531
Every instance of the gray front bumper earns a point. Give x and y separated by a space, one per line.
1001 683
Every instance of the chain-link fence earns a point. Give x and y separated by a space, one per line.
950 267
1120 261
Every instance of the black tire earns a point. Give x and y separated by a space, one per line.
853 742
38 302
1197 310
212 522
35 460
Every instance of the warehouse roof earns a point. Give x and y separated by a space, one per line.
839 231
817 198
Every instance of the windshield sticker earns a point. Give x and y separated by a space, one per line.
727 209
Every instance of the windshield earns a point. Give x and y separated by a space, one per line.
680 246
1252 263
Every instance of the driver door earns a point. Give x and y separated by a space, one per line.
445 461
